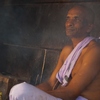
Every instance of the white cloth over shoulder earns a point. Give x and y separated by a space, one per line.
81 98
66 69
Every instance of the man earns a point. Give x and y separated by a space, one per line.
83 80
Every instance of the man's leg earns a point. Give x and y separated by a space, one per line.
25 91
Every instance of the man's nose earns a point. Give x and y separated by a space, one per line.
70 23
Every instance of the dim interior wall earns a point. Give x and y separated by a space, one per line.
27 33
27 64
32 36
33 25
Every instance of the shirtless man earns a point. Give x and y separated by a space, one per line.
85 76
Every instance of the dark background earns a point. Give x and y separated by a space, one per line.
32 34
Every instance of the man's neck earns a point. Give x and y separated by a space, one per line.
75 41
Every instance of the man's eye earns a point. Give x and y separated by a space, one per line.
77 19
67 18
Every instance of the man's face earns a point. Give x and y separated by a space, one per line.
76 24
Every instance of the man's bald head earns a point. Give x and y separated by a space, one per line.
88 13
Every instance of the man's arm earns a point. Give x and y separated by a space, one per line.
45 86
87 73
49 85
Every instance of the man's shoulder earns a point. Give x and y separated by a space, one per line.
66 51
94 46
67 47
93 49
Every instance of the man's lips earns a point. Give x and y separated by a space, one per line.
70 29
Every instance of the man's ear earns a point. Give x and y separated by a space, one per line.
90 27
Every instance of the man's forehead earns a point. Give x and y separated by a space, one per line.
76 12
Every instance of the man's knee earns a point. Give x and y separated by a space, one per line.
18 90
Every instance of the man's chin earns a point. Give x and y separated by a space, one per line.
70 34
